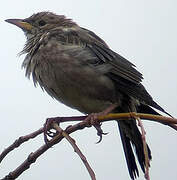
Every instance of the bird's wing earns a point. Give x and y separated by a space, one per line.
101 53
120 66
95 52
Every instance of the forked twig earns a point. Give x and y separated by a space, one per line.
81 125
76 149
20 141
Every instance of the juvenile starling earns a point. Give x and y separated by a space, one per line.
77 68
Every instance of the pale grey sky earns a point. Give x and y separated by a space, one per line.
145 32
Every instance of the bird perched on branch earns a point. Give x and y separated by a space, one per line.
77 68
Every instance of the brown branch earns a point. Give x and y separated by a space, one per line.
19 141
76 149
145 149
33 156
151 117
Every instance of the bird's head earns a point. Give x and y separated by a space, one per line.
41 22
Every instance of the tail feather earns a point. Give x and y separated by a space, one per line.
134 139
131 136
130 158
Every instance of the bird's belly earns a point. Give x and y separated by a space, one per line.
79 88
84 103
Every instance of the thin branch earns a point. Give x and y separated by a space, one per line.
145 149
151 117
76 149
172 126
33 156
20 141
161 119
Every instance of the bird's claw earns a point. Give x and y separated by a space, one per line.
92 119
48 126
100 132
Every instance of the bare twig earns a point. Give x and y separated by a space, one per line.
76 149
33 156
151 117
143 135
20 141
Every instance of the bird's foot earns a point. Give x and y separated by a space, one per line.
92 119
48 127
49 121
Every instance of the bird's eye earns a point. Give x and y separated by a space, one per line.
42 23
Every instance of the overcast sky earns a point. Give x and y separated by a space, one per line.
143 31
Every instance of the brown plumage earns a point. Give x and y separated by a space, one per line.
77 68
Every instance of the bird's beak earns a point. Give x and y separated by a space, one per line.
20 23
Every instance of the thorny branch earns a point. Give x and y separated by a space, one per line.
81 125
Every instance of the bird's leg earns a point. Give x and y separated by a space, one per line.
92 119
58 120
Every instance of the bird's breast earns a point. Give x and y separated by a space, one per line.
74 84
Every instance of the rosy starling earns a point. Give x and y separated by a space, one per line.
77 68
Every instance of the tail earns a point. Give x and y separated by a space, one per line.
131 138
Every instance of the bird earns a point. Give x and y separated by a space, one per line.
77 68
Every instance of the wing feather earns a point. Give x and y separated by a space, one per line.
97 54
